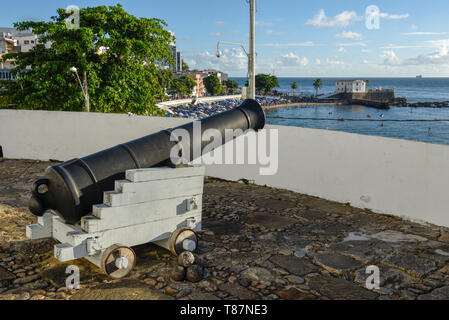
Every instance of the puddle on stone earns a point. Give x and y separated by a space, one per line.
442 253
395 236
301 253
356 236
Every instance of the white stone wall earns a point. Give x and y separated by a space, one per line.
391 176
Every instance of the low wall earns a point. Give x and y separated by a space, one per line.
404 178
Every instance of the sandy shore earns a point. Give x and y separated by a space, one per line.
302 104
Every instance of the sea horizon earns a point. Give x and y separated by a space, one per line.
413 89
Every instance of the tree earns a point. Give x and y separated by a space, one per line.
317 84
113 49
183 86
185 66
367 82
213 85
294 86
266 82
165 80
231 85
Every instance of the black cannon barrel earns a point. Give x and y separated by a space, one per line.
73 187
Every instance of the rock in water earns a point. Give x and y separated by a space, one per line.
186 259
178 274
195 273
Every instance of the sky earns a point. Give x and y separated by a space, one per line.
294 38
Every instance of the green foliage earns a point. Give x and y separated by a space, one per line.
231 85
165 80
367 81
266 82
124 78
317 84
294 86
185 66
3 101
213 85
183 86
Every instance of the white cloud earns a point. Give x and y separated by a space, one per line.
366 50
273 33
232 60
400 46
349 35
423 33
291 60
264 24
334 62
340 20
441 56
390 58
215 34
220 23
291 44
353 44
394 16
342 49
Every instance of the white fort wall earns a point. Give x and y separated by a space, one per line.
391 176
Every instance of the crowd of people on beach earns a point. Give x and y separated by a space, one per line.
204 110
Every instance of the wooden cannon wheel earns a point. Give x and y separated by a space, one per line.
118 261
183 240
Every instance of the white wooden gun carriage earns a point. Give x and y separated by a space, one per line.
158 205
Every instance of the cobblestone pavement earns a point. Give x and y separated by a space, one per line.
257 243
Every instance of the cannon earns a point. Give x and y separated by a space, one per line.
100 206
73 187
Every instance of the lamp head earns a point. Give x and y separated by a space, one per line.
218 54
74 70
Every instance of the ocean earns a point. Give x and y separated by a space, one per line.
417 124
414 89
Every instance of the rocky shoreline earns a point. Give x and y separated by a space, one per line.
422 104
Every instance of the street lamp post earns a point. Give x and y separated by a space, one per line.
252 50
84 87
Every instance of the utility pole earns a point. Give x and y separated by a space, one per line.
252 50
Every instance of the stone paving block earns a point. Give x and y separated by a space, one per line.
294 265
339 289
123 290
276 204
223 228
295 294
411 264
336 264
237 290
396 236
258 274
5 275
437 294
269 221
364 251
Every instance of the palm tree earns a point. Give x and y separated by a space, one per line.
317 85
367 82
294 86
